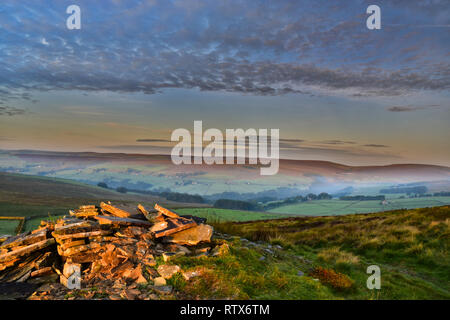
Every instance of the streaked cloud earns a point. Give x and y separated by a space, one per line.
410 108
227 46
11 111
376 145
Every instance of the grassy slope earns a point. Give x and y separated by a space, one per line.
38 197
338 207
410 246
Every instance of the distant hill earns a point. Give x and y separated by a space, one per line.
150 172
43 190
38 197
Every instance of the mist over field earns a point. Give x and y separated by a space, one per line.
157 173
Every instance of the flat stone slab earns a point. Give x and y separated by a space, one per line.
191 236
122 221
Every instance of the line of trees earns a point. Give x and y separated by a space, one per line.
172 196
363 198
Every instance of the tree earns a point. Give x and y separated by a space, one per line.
122 190
324 196
311 196
102 185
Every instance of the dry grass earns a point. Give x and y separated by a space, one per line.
336 256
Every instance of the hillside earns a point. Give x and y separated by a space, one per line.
313 258
144 172
409 246
36 197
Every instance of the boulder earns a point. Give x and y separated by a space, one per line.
167 271
160 281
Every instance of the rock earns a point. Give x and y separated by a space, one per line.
158 226
26 250
152 296
166 212
137 275
159 282
183 249
149 262
220 250
115 211
172 255
122 221
42 272
167 271
45 287
44 279
191 236
175 225
130 294
163 289
188 275
202 250
198 220
70 268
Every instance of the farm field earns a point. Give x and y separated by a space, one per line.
8 227
339 207
221 215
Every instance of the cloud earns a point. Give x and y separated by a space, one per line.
410 108
337 142
376 145
152 140
11 111
232 46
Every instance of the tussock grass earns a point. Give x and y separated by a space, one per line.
410 246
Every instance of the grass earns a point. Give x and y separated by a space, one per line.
221 215
339 207
8 227
410 247
241 274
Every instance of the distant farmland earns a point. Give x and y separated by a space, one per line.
338 207
221 215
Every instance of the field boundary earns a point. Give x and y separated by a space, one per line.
21 224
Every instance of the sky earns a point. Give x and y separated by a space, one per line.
137 70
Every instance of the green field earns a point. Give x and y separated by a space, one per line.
339 207
219 215
8 227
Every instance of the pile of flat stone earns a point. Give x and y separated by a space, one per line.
108 248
